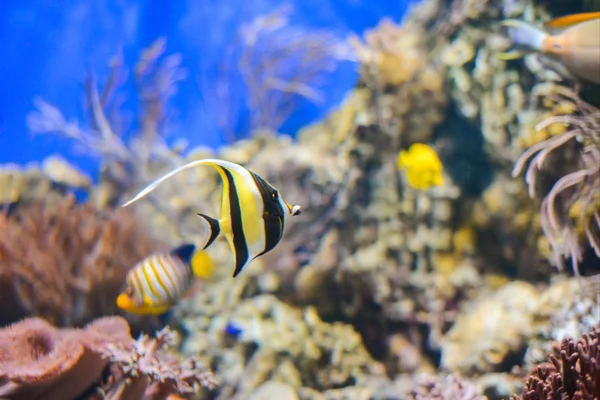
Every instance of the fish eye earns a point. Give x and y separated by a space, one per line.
296 209
129 291
275 195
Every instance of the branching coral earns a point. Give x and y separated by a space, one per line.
65 261
144 367
124 163
573 372
572 206
267 68
273 341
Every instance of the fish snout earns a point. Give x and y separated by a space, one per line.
295 209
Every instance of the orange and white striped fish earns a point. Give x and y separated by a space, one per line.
156 283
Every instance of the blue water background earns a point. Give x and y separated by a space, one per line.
47 46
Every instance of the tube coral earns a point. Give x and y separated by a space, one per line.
66 262
573 372
576 194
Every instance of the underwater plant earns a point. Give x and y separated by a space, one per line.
66 262
268 67
571 208
572 373
124 162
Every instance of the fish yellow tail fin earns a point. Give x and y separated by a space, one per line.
526 38
202 265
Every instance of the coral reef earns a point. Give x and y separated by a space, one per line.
66 262
39 361
491 328
142 369
32 183
254 337
378 281
573 372
516 324
577 313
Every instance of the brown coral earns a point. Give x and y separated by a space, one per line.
573 372
39 361
144 368
66 262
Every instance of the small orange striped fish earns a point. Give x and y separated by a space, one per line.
157 282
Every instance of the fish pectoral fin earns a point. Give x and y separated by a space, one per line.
215 229
511 55
202 265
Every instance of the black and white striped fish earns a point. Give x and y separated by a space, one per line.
253 212
157 282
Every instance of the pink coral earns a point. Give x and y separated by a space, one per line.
138 363
39 361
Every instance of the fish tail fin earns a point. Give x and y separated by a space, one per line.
526 38
202 265
160 180
214 226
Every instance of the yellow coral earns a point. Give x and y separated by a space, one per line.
423 166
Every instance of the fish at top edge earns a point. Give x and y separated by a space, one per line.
157 282
422 165
253 212
571 43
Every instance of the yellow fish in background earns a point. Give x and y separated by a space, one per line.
422 165
155 284
572 47
252 211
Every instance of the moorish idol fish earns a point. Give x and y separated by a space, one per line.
156 283
252 211
570 44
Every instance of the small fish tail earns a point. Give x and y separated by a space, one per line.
215 229
202 265
526 38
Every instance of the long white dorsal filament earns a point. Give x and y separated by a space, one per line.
160 180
